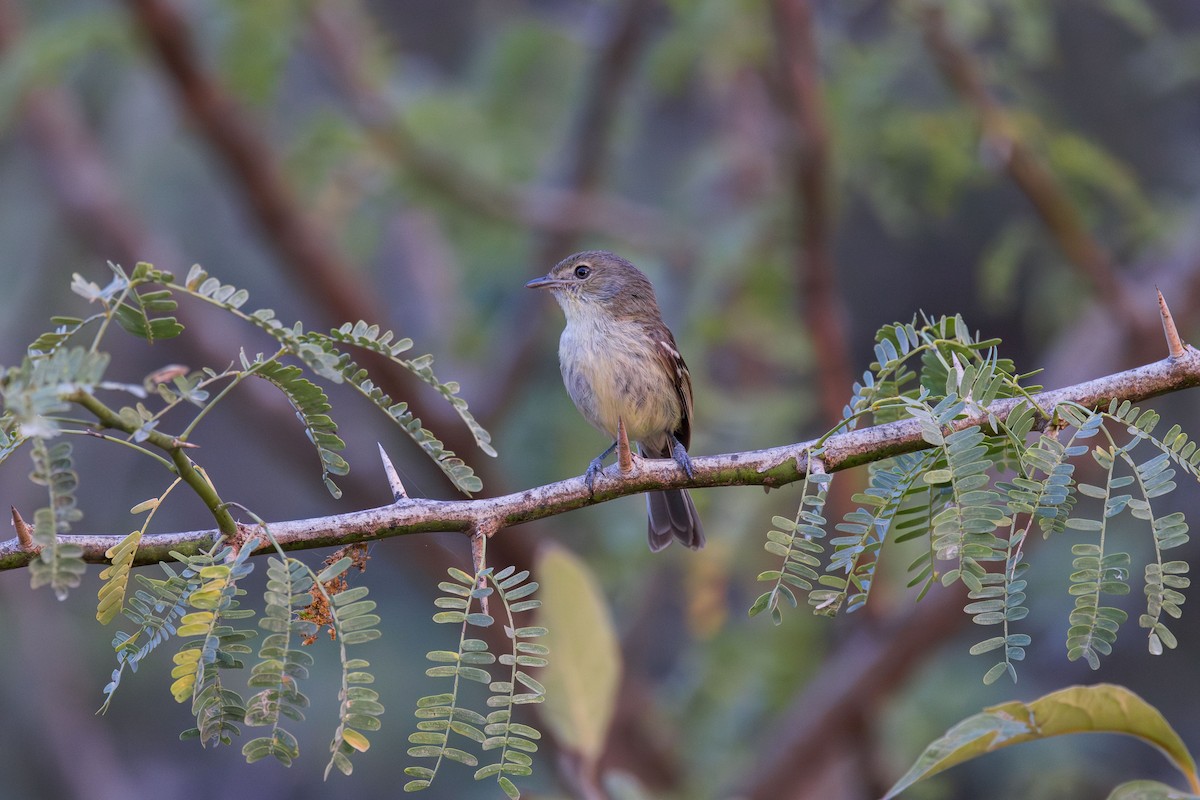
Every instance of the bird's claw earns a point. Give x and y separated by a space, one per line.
594 469
680 454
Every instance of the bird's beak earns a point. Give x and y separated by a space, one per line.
541 283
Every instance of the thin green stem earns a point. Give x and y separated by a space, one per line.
168 405
181 464
238 378
512 675
109 313
1158 556
131 445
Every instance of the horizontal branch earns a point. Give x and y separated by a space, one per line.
771 467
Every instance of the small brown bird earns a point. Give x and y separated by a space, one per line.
619 362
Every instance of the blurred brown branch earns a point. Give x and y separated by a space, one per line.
1003 140
850 686
821 306
587 154
567 211
252 163
588 148
80 177
254 166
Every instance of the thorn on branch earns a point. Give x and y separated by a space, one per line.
624 454
398 492
24 534
1174 342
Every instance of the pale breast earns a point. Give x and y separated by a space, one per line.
611 373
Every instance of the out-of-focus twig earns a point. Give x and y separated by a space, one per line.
587 155
820 304
1055 208
77 171
851 684
253 164
305 249
341 35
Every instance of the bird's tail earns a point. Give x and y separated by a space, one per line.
673 515
672 512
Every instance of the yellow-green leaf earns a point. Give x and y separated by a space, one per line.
182 689
145 505
355 740
1104 708
585 660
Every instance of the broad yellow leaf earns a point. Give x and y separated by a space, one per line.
1104 708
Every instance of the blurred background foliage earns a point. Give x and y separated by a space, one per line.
791 174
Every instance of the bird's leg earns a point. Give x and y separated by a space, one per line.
680 454
596 467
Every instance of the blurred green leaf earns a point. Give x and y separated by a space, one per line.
585 667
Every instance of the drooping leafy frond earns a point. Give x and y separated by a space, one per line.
322 354
443 717
354 623
1163 579
446 726
1097 572
514 740
155 608
998 601
964 531
855 554
281 665
311 405
1153 478
454 467
385 344
212 645
797 542
59 564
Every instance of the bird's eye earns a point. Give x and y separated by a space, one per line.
582 271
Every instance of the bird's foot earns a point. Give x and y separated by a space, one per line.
596 467
680 454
